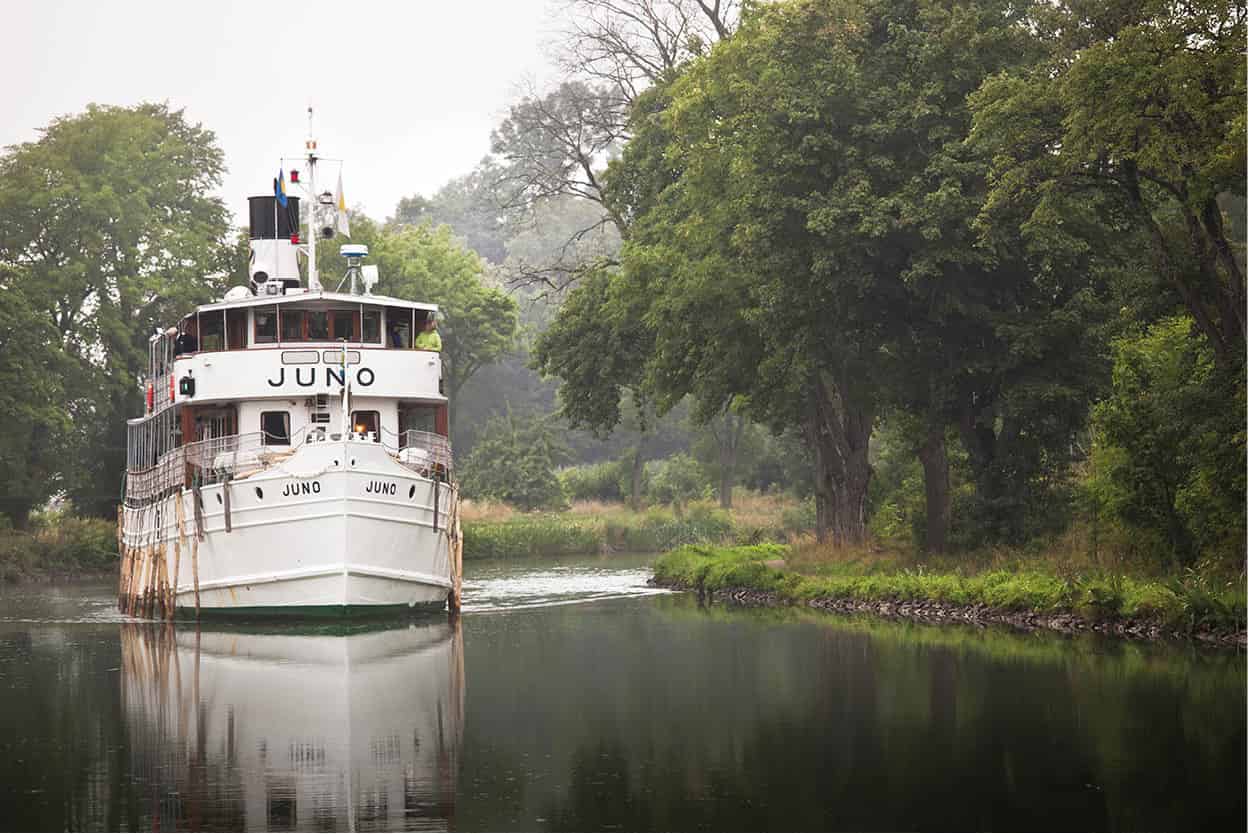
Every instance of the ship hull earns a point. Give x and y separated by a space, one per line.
334 529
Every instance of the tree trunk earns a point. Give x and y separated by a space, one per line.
729 441
19 514
634 495
839 433
932 455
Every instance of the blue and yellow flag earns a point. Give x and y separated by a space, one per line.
279 187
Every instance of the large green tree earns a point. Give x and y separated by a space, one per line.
107 221
801 205
1139 105
32 399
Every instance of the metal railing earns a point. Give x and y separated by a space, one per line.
423 452
234 456
148 485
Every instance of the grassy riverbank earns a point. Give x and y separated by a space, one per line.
494 530
58 546
806 575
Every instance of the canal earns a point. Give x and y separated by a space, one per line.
572 696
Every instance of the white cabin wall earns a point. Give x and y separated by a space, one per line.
249 412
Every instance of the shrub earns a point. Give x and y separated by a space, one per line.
58 545
676 480
1169 460
595 481
658 530
514 461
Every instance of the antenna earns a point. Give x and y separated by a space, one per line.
355 253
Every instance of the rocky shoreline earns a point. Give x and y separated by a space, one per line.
938 613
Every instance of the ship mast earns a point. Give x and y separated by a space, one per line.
314 279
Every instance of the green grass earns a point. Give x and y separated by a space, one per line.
532 535
59 546
1189 601
565 534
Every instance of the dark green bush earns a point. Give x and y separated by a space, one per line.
514 461
58 545
676 480
605 481
1169 460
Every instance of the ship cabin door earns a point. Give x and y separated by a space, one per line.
235 329
426 417
210 422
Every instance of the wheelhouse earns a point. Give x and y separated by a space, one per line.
264 374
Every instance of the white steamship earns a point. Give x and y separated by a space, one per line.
293 457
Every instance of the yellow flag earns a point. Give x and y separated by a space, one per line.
344 224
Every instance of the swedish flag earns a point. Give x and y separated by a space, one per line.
279 187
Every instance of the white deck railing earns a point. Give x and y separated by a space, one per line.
423 452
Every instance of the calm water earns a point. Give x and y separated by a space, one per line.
573 697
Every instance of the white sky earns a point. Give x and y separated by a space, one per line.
406 92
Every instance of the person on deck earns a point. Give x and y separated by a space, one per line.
428 338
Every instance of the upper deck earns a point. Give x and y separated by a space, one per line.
295 344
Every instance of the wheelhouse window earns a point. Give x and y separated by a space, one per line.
400 334
318 325
344 325
372 326
275 426
363 422
292 325
212 336
265 325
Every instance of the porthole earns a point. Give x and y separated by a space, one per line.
411 491
260 493
353 461
219 501
335 463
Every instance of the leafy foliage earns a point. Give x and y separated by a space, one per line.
1174 443
605 481
514 461
1135 117
676 480
479 320
108 229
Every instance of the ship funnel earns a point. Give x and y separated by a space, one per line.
274 233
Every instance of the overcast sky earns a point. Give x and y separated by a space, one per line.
406 92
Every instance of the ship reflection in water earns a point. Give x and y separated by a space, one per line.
337 730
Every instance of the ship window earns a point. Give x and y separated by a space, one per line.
266 325
366 421
344 325
400 334
213 336
292 325
318 325
372 326
276 428
416 418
